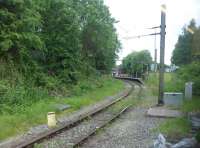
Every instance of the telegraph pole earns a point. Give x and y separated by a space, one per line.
162 55
155 54
162 52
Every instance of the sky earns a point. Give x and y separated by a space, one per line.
135 16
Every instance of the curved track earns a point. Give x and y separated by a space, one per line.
75 132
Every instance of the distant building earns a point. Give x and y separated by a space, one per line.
153 66
172 68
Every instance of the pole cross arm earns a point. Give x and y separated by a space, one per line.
144 35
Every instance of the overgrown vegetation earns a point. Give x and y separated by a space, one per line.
137 63
171 81
175 128
187 48
179 127
175 82
191 105
187 55
27 116
190 73
52 48
49 50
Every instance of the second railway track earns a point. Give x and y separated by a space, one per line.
75 132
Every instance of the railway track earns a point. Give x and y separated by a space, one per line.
73 133
76 135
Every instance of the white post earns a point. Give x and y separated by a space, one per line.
188 90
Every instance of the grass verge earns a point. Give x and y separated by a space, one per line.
191 105
175 128
172 83
17 123
178 127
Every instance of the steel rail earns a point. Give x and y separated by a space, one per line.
53 132
80 141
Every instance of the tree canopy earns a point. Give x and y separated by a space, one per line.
63 38
187 55
187 47
137 62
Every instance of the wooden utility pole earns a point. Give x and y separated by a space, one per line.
162 55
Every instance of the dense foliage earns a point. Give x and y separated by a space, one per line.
137 63
187 48
190 73
187 55
52 43
58 35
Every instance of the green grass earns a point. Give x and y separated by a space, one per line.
16 123
191 105
171 83
152 83
179 127
174 128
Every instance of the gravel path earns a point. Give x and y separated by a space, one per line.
131 130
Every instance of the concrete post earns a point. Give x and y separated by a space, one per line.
188 90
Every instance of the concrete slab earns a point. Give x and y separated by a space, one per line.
62 107
163 112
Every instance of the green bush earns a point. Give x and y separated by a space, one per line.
191 73
18 97
86 85
172 128
4 87
191 105
188 73
173 83
198 136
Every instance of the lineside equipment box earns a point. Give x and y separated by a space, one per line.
173 98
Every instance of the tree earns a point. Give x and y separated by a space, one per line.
190 73
61 34
196 45
66 39
187 55
137 62
182 53
99 38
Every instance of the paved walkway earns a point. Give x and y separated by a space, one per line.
164 112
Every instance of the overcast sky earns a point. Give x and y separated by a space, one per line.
136 15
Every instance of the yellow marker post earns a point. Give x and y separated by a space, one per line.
51 119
